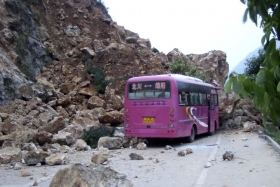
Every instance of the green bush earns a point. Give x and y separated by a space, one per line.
179 67
98 77
92 136
182 67
272 131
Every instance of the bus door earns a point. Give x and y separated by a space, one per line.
211 113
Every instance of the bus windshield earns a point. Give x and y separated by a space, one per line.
149 90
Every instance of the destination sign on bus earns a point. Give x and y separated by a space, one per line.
149 85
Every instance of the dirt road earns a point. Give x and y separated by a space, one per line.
255 164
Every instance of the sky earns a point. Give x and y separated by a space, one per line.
192 26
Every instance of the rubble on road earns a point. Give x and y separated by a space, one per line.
228 155
185 152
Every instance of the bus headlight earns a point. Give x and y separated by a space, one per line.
171 125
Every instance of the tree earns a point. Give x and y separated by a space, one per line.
266 86
254 64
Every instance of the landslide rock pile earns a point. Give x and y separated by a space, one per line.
63 68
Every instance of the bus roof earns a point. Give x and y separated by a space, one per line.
176 77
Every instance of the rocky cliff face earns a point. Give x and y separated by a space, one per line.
213 64
64 64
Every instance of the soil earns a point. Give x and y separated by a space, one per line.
255 163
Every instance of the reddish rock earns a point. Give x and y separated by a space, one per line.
44 137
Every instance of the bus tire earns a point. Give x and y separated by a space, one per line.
191 138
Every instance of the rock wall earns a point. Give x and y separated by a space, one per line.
214 65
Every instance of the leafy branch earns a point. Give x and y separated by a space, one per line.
266 85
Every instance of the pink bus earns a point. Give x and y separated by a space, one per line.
170 106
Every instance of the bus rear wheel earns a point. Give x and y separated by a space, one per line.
191 138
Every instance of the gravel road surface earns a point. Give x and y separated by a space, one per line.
255 163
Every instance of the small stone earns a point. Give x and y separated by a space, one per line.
208 165
182 153
167 147
17 166
141 146
35 183
134 156
25 173
157 161
228 155
189 151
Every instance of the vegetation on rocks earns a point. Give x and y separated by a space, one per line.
182 67
97 76
92 136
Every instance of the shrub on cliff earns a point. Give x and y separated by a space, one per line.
92 136
98 77
182 67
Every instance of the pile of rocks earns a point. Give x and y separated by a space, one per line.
236 113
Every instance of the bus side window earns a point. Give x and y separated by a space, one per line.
181 99
202 99
187 98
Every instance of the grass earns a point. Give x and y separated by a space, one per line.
273 132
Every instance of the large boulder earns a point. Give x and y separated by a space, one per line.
110 142
95 102
213 63
101 156
55 159
88 118
113 117
9 154
93 175
57 124
35 157
44 137
115 100
227 106
63 138
176 55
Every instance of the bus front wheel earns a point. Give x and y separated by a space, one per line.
190 138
